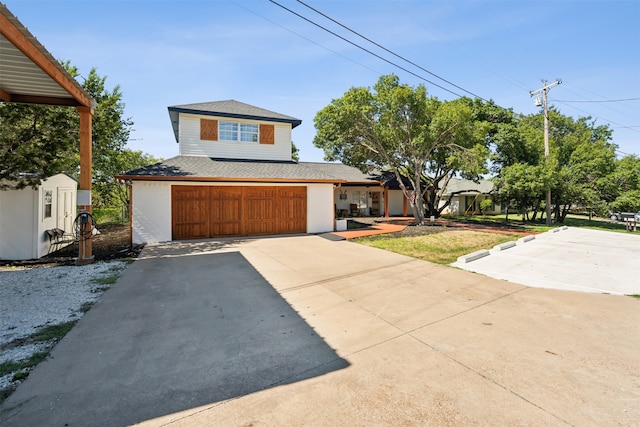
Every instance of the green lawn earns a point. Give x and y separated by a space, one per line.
446 247
441 248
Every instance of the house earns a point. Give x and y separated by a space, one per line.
26 215
234 176
466 196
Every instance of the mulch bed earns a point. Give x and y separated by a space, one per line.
113 242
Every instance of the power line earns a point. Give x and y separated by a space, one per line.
364 49
389 51
607 100
306 38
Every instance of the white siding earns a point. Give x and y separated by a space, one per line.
320 208
454 206
151 212
396 203
192 145
22 221
18 222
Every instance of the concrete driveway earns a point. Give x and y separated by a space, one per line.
568 258
306 331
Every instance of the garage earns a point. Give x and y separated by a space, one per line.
199 212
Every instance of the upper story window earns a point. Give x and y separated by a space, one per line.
214 130
234 131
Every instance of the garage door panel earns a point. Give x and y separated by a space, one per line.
189 211
226 211
216 211
293 209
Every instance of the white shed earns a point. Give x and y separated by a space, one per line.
26 215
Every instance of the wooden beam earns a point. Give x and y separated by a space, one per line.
44 61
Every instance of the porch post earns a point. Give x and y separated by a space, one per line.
386 202
85 244
404 205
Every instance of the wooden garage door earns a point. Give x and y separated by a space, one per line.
216 211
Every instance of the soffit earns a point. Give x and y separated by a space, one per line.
29 73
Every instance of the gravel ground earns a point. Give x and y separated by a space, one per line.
31 298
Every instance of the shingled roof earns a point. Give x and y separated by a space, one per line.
230 109
192 168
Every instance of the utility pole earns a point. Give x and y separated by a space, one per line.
544 89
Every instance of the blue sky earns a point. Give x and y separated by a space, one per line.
164 53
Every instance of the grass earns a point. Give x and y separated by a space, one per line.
107 280
446 247
20 368
539 225
51 332
108 216
440 248
15 366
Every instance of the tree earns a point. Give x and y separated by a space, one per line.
580 163
38 141
108 191
626 182
522 186
295 152
35 142
397 128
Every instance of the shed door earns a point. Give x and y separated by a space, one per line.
218 211
64 209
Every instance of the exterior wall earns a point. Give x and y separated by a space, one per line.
151 218
319 208
360 196
396 203
460 203
18 220
454 206
192 145
152 208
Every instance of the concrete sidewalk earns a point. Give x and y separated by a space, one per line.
367 338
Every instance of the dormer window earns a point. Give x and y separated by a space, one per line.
240 132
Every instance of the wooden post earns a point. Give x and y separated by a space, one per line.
386 202
85 246
404 205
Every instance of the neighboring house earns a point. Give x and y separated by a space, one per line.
26 215
466 197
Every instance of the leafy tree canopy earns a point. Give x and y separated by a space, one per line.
398 128
37 141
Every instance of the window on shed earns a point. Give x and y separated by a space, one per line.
47 203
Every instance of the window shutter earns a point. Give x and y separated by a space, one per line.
267 134
208 130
